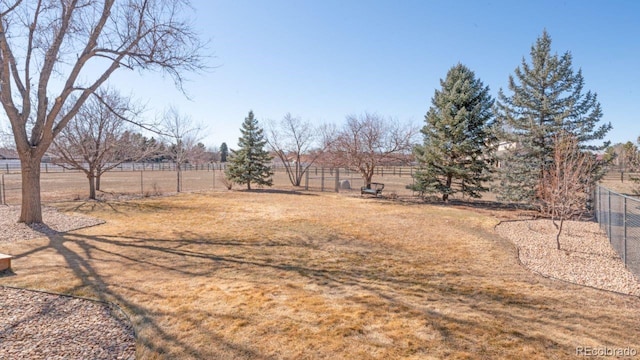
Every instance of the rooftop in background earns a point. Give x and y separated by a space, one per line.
8 154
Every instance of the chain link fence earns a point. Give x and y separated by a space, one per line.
619 216
150 179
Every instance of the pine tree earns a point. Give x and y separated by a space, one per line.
224 152
458 138
249 164
546 98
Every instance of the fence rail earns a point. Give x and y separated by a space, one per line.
148 179
619 216
12 167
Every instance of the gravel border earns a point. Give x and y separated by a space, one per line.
38 325
56 222
585 258
41 325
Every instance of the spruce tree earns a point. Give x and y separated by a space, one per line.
250 163
546 98
458 137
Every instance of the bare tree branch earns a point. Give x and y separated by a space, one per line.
298 144
369 140
98 138
566 184
183 138
56 42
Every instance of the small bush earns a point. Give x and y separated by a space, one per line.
226 182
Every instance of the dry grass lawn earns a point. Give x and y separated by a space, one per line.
271 275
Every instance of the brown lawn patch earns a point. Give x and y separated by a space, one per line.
263 275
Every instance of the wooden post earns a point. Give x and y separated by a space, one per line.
322 180
306 180
337 180
2 189
141 184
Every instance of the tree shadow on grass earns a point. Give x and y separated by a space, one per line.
419 292
91 281
277 191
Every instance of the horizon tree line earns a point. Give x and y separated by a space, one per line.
457 154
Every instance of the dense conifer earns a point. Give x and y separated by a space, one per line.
458 137
224 152
250 163
546 98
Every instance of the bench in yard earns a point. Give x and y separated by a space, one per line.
372 189
5 262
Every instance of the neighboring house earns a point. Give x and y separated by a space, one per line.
503 147
506 145
8 154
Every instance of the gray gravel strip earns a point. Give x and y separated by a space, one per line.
55 222
585 256
38 325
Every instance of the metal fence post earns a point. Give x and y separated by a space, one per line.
609 217
624 249
4 191
598 206
306 180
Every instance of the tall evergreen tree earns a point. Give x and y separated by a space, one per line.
249 164
224 152
458 137
546 98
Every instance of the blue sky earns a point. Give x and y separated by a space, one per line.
323 60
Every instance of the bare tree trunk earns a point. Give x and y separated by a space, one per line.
92 186
445 196
98 175
31 205
558 234
368 176
179 179
299 173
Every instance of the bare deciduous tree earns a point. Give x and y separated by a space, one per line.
183 137
566 184
369 140
99 138
55 54
6 137
298 144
